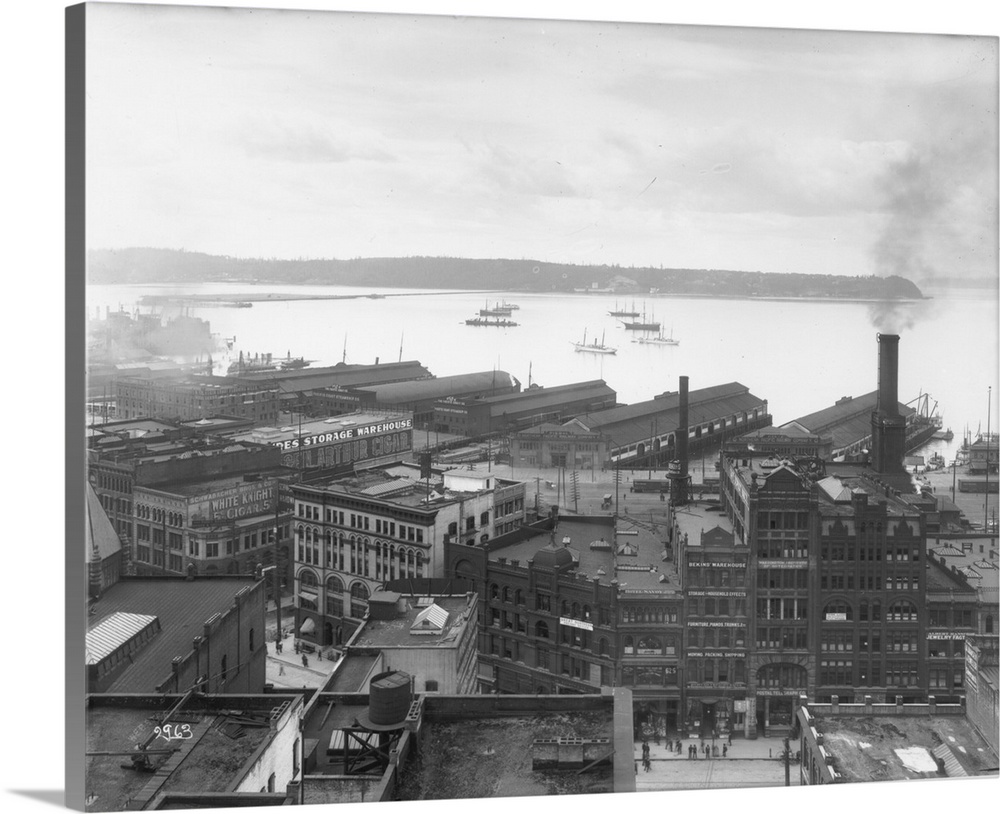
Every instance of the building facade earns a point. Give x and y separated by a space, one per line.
354 534
194 397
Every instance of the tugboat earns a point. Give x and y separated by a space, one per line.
583 347
497 310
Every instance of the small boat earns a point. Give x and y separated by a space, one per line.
583 347
494 323
659 339
622 313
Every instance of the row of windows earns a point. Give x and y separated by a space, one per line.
716 606
782 638
846 553
841 610
782 608
871 582
648 614
715 577
718 670
783 578
776 549
717 637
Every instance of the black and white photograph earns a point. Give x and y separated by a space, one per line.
474 405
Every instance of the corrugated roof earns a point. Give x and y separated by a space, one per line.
859 408
422 389
630 424
112 632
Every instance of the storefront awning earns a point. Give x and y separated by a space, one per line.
308 626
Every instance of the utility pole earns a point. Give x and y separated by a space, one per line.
787 755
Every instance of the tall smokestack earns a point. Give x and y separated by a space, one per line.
888 374
888 426
679 485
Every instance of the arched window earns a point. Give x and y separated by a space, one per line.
359 600
902 611
575 610
602 647
586 612
564 608
494 591
484 518
506 593
628 645
307 579
541 630
518 597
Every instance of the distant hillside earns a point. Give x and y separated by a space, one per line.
139 265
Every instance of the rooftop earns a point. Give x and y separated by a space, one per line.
492 757
705 525
901 747
181 605
637 563
99 535
350 426
211 761
399 485
420 389
630 423
848 420
399 632
196 488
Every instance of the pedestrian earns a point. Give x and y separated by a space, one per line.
646 764
645 749
305 660
281 669
729 737
725 750
319 655
715 750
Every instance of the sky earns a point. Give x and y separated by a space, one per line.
288 134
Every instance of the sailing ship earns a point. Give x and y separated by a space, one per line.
622 313
643 324
583 347
659 339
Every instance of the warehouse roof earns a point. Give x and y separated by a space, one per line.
422 389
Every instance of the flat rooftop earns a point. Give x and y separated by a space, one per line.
901 747
182 606
194 488
389 633
637 563
697 519
491 757
320 426
212 759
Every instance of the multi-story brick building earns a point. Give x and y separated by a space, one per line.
218 525
193 397
356 533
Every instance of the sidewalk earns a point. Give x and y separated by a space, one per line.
748 763
286 669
